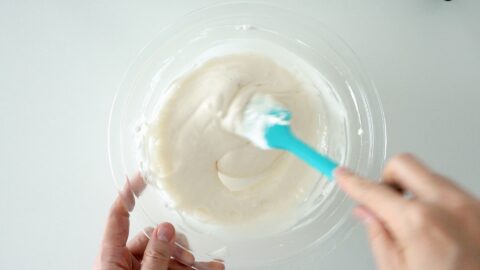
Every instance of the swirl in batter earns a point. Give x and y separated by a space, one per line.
207 171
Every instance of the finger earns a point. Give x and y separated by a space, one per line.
213 265
409 173
138 244
116 230
136 264
383 245
182 255
181 252
175 265
133 188
160 248
384 202
137 184
182 240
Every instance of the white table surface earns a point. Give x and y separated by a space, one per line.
61 62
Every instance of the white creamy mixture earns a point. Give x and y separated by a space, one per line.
208 172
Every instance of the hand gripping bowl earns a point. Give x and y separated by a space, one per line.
265 29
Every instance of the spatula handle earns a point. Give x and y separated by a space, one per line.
281 137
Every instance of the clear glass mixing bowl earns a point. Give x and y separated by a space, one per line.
252 27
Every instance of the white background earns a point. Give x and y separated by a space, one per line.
61 62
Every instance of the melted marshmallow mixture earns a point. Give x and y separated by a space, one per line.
207 171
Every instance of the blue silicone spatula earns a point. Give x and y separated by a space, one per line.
267 124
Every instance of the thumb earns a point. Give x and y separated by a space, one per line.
383 245
160 248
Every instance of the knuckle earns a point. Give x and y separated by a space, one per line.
420 217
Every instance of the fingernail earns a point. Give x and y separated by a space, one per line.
366 220
342 171
165 232
363 215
